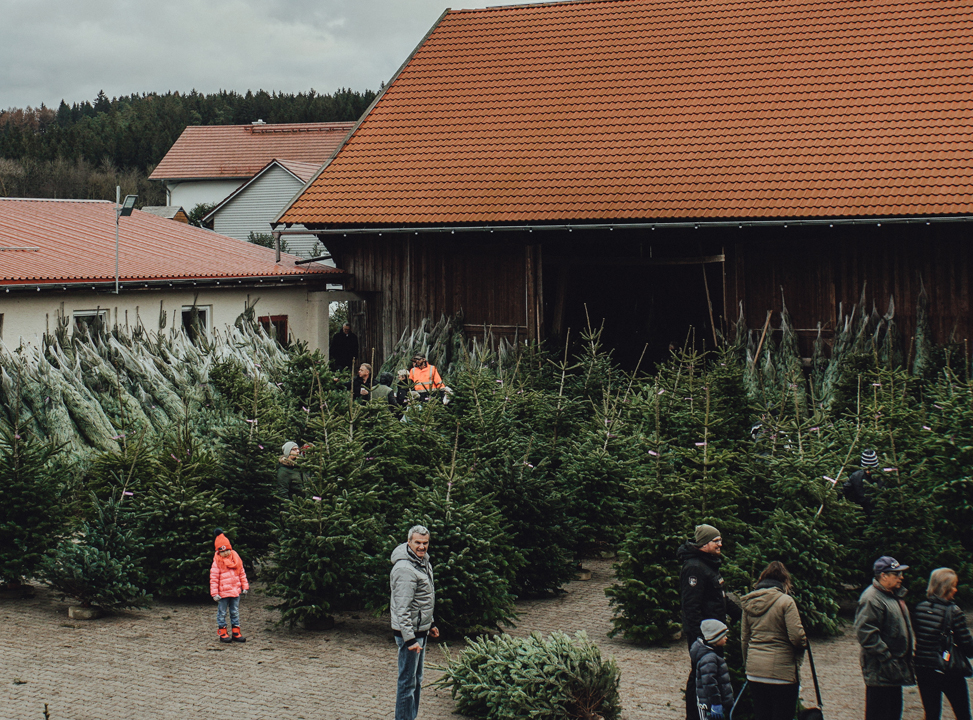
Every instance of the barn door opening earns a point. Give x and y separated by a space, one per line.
644 305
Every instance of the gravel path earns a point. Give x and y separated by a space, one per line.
165 663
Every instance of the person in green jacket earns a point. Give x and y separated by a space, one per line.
773 642
887 642
290 477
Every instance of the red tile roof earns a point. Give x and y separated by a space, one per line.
667 109
302 170
75 243
239 151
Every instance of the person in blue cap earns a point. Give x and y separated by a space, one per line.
884 632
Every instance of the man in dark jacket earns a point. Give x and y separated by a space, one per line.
703 597
344 348
885 634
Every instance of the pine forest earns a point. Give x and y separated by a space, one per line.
84 150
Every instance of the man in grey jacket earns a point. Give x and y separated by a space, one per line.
412 604
887 643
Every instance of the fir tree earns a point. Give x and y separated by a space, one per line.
32 514
646 598
325 558
178 509
100 564
535 511
328 545
248 483
472 553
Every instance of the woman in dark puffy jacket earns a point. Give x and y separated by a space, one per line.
940 670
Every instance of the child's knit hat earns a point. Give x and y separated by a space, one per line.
713 630
221 542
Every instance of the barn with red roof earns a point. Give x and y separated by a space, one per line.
661 164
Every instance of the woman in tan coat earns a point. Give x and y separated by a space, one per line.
773 644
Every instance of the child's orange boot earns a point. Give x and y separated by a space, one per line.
224 635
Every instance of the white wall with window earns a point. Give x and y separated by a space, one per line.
191 193
88 318
303 313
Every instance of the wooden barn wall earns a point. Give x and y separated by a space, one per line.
498 281
406 278
816 270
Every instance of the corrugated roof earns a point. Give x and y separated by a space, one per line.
74 241
667 109
239 151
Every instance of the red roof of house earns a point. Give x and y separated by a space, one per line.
73 241
239 151
667 109
302 170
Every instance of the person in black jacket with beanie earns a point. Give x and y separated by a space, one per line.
703 597
935 675
714 693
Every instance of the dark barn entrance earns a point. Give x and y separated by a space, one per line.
646 302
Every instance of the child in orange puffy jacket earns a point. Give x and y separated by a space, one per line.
227 582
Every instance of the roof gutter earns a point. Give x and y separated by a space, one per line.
130 284
658 225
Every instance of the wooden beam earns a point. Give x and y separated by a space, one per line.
530 299
709 304
636 261
539 292
560 298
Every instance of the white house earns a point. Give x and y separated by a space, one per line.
58 260
255 204
209 162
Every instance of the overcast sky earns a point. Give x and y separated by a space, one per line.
70 49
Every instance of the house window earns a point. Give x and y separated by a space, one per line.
89 319
275 326
196 320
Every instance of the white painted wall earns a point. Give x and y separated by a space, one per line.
260 203
191 193
27 316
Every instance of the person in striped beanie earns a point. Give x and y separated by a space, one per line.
860 485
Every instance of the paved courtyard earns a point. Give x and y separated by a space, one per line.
165 663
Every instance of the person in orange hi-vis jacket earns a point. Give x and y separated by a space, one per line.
425 377
227 582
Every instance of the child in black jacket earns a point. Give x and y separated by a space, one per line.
714 693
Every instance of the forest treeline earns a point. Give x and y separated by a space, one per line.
86 149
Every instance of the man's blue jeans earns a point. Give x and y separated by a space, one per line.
231 604
410 679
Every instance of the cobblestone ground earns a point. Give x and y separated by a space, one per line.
166 663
